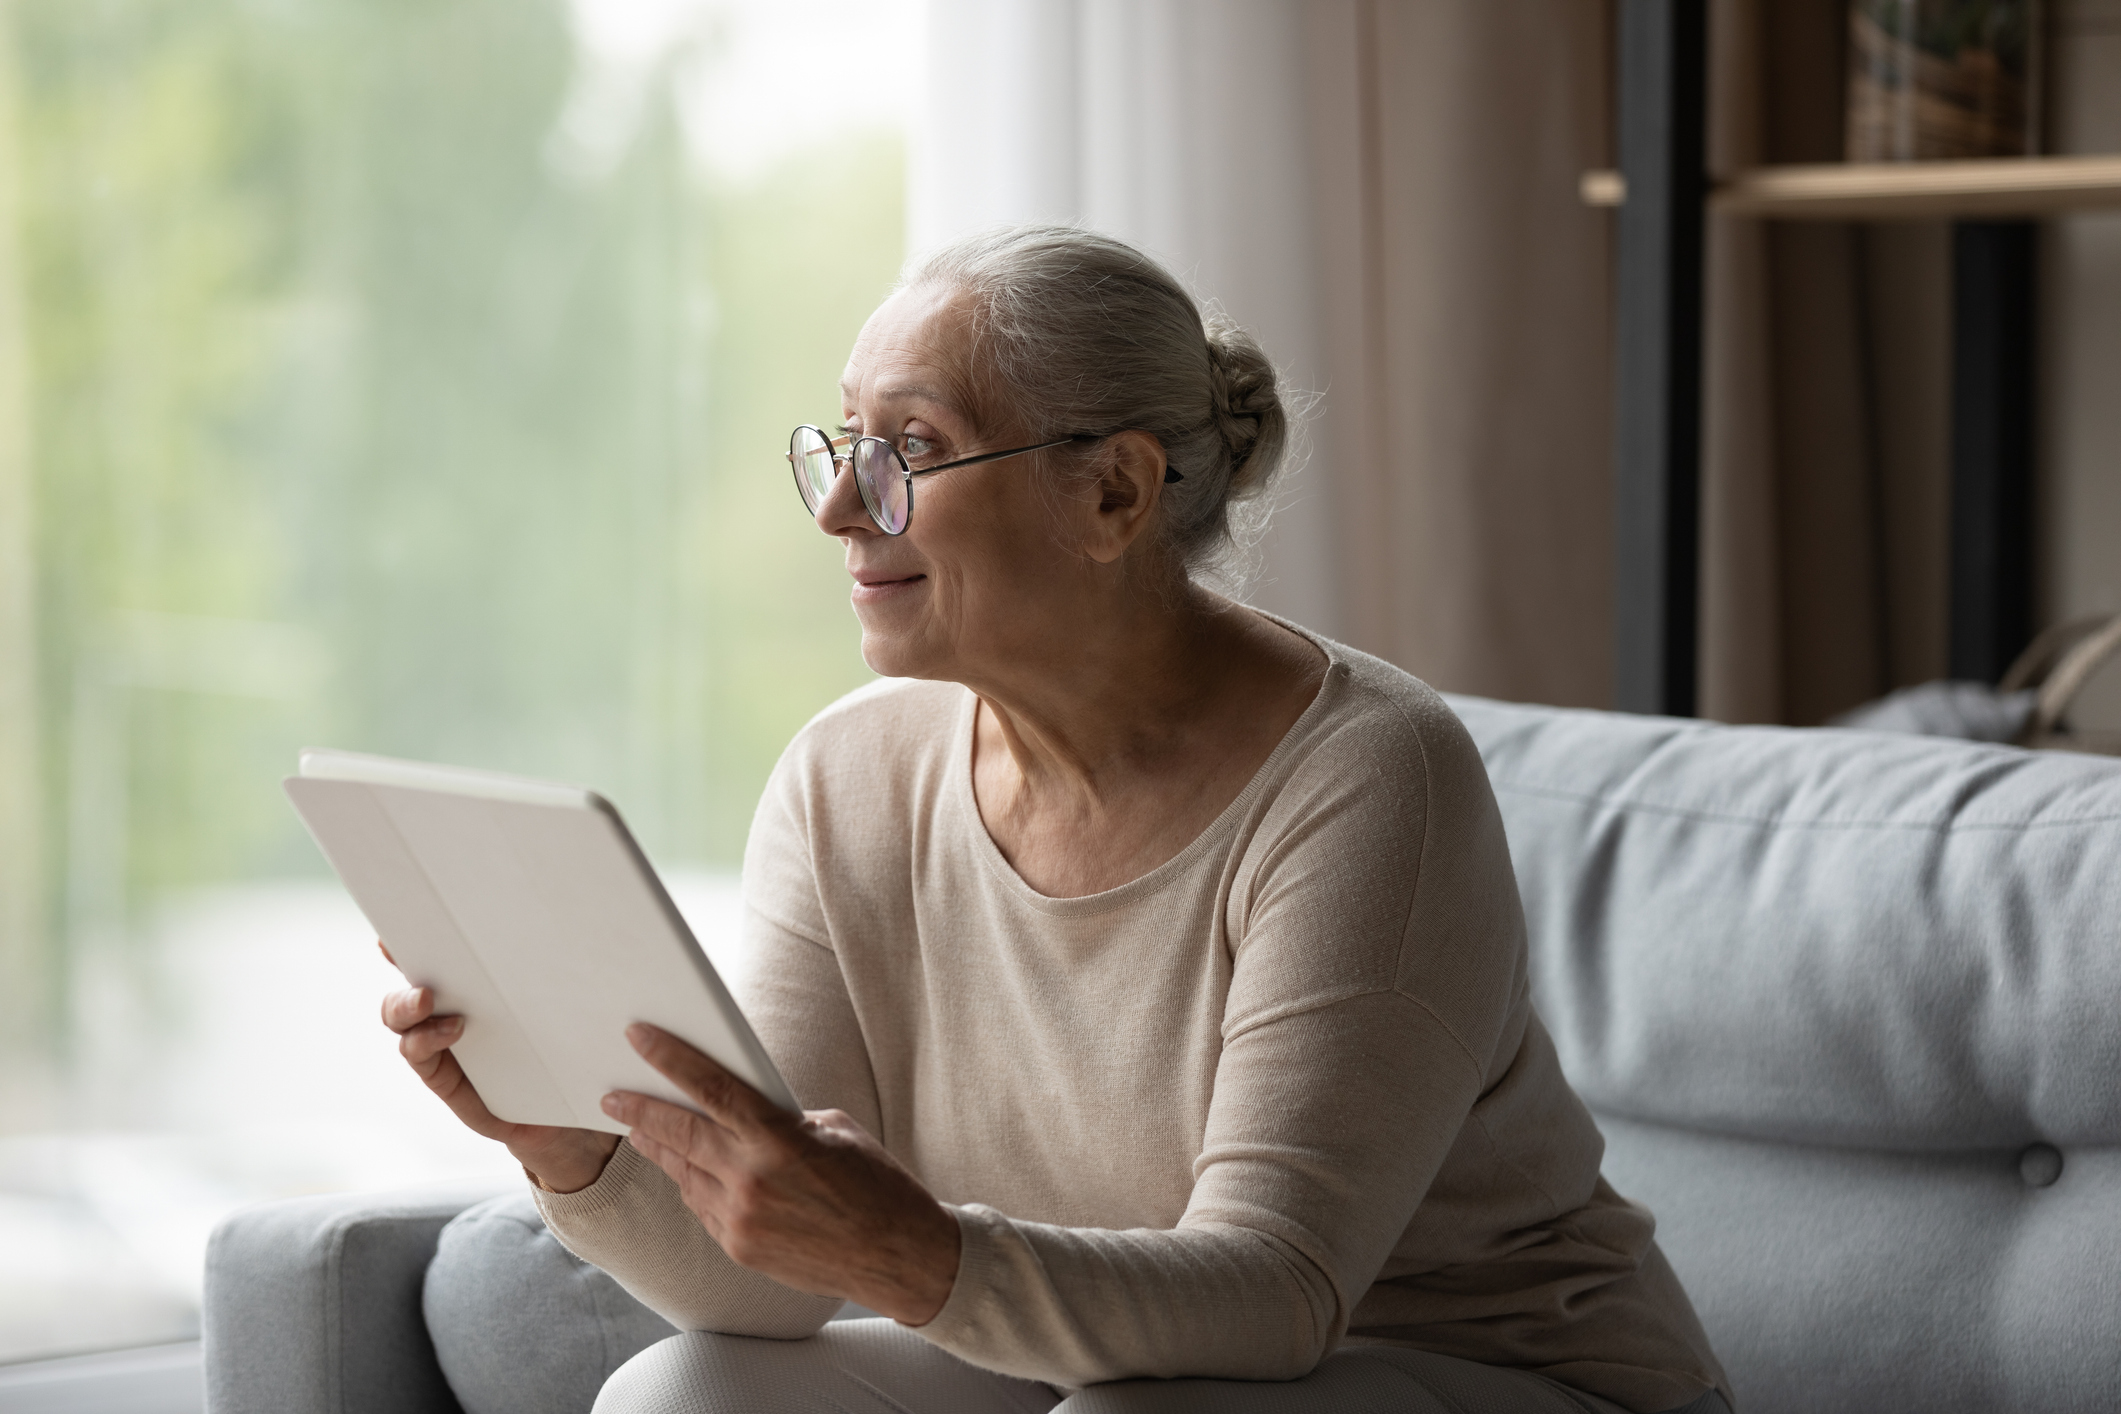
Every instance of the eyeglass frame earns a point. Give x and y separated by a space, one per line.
906 471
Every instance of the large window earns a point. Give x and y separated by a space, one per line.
408 377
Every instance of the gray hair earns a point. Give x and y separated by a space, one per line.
1076 332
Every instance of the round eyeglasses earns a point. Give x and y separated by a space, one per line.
880 472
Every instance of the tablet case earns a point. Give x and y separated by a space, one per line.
530 910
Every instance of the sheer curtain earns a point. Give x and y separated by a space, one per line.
1178 125
1385 194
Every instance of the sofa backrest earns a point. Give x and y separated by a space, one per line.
1848 1008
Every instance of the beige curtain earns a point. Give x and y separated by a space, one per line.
1741 612
1466 417
1472 321
1828 497
2079 505
1472 331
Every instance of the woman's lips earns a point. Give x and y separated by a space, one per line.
877 591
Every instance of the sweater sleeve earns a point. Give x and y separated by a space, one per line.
632 1222
1377 947
1302 1190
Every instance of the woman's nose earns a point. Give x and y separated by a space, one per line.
842 512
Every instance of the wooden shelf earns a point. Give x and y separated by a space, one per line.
1903 191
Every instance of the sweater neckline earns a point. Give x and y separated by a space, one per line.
1202 844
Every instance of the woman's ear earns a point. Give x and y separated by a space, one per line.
1128 488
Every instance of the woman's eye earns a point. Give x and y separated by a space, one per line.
918 446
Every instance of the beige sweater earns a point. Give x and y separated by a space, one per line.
1284 1091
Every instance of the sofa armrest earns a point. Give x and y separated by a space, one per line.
312 1305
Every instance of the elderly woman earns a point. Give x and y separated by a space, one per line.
1154 967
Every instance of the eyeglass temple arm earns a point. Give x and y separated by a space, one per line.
793 457
1171 474
996 456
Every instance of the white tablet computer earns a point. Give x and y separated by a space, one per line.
530 910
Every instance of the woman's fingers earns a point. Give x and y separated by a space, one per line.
701 1191
674 1162
421 1034
813 1202
405 1009
728 1100
447 1079
696 1137
424 1040
574 1157
422 1043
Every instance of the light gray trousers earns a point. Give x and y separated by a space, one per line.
880 1367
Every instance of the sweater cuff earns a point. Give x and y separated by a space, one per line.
960 1325
623 1172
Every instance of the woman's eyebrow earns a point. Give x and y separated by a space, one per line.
911 392
903 392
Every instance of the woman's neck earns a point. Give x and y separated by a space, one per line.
1125 689
1092 771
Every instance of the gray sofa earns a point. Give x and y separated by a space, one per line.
1847 1006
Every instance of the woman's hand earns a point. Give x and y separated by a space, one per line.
811 1200
564 1160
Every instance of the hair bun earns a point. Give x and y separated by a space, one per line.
1073 332
1244 395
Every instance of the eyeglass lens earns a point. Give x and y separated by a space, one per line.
810 453
879 474
882 477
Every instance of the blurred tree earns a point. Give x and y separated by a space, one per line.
25 965
797 260
146 205
364 415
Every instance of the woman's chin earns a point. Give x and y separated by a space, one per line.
890 654
899 632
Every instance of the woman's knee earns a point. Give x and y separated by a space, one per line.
851 1367
1354 1380
698 1372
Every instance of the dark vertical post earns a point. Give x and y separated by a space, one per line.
1994 272
1662 85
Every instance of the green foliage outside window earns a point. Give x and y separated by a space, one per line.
352 412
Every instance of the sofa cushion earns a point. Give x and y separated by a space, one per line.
312 1305
520 1324
1823 936
1848 1009
1851 1281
